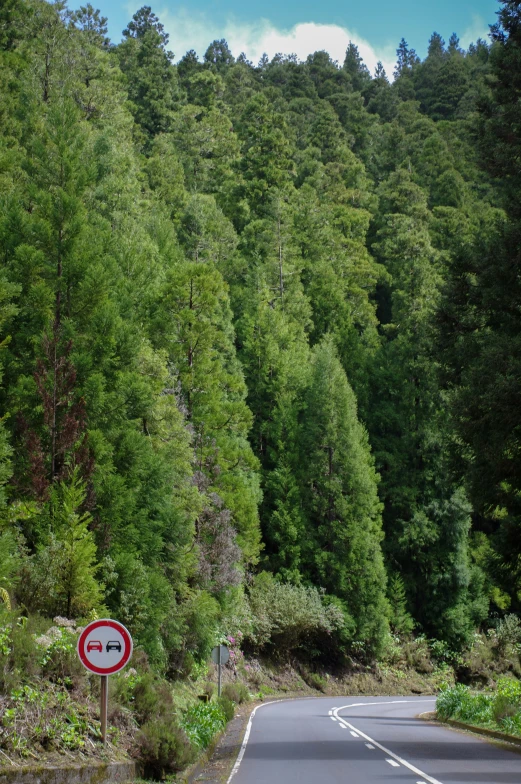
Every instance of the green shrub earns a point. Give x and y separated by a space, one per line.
286 615
510 689
508 632
512 724
265 691
315 681
236 692
457 702
19 659
227 707
476 709
152 698
418 655
202 721
507 701
162 747
502 708
442 652
449 701
57 655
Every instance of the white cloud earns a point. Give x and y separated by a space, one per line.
478 29
196 31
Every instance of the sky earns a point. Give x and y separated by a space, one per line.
302 26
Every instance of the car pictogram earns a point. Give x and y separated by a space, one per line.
113 645
94 645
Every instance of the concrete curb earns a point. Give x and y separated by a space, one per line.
101 773
460 725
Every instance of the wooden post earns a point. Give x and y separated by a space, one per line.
219 678
104 706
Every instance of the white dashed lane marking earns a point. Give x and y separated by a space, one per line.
392 759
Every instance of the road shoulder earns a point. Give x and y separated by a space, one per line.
217 765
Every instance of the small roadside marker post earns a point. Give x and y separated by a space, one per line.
104 648
220 655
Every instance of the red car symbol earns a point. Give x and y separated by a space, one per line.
94 645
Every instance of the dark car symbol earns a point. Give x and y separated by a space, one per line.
94 645
113 645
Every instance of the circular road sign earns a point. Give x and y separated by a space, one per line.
104 647
225 654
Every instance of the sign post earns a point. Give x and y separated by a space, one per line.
104 648
220 656
104 705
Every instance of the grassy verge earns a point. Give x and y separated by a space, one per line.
497 710
49 706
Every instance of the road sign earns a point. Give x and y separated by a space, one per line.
224 654
104 647
220 656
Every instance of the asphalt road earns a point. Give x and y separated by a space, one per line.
365 740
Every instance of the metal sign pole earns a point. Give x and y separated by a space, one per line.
104 700
220 655
219 680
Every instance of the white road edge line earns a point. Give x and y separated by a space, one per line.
398 759
240 755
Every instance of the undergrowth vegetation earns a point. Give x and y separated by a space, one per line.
500 709
49 704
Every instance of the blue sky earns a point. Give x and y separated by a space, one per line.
304 26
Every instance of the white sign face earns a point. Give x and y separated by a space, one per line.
225 654
105 647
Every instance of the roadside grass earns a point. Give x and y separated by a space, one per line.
498 710
49 705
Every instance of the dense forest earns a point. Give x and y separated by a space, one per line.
260 337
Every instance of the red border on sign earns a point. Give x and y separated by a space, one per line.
113 625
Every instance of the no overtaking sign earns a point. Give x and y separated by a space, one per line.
105 647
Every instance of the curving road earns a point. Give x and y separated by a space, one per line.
365 740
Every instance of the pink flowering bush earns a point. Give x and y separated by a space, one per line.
233 643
